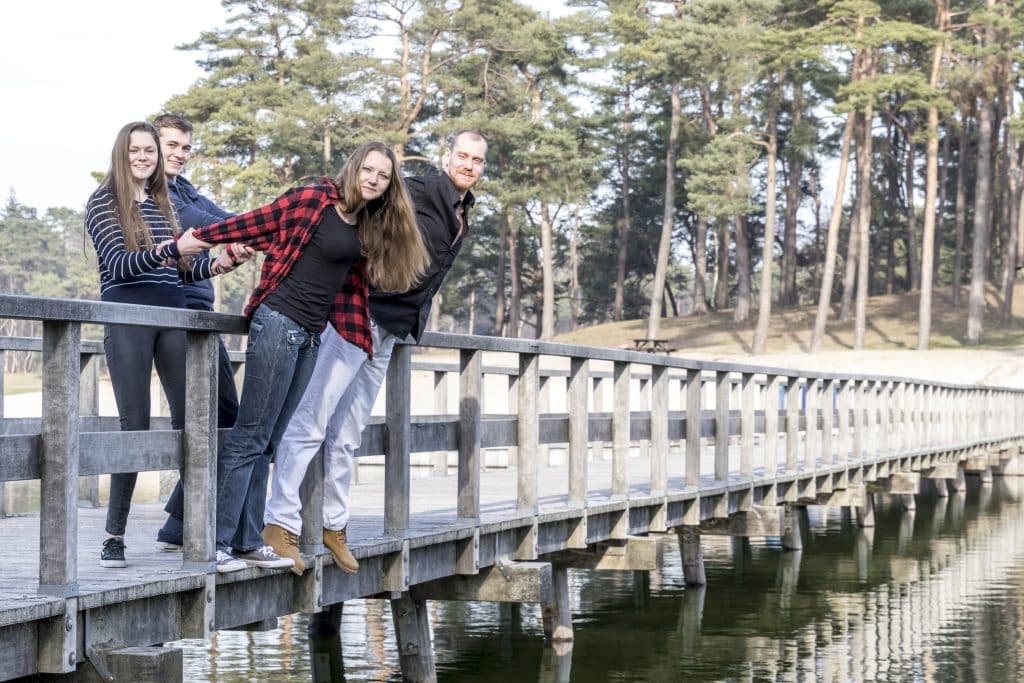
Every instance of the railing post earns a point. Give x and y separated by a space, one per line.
440 458
200 450
89 401
543 408
792 421
58 485
527 428
620 430
771 426
579 430
723 388
828 415
397 442
846 389
748 394
659 429
811 441
470 395
860 399
513 409
693 411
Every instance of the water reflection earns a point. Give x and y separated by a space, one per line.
930 594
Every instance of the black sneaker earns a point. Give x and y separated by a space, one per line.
112 555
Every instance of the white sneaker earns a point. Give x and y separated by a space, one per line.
264 556
226 563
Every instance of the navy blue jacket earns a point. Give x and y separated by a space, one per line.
195 211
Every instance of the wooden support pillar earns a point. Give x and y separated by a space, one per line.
412 630
723 386
986 476
908 501
693 558
397 442
620 430
579 378
528 433
327 660
89 405
866 512
693 414
200 522
791 538
958 483
470 398
439 459
557 612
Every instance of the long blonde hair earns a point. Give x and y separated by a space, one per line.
121 184
396 257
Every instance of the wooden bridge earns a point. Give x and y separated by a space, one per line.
695 448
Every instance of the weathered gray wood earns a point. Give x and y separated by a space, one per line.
503 582
412 630
791 539
812 438
326 654
200 442
620 430
859 420
828 415
440 458
635 553
866 512
792 422
311 493
659 430
723 385
58 641
396 462
58 504
692 556
845 430
771 425
89 405
578 427
102 312
748 397
527 433
762 520
140 664
470 396
693 413
557 612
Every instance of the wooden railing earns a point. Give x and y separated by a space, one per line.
763 424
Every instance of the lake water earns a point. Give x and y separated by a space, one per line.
928 595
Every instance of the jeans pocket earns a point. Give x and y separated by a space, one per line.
297 337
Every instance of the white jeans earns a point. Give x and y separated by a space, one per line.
334 411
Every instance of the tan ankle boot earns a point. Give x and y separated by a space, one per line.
337 543
285 544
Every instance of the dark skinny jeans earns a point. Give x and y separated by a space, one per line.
132 352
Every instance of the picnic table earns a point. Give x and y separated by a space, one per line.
652 345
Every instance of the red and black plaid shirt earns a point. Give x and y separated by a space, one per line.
282 230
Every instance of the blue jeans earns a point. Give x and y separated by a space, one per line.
278 363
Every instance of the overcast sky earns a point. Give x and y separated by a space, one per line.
73 73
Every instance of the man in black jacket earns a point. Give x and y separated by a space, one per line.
337 403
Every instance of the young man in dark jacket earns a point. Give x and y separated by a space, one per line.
336 412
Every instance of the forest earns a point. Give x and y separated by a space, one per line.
646 158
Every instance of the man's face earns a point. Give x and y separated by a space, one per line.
465 163
177 148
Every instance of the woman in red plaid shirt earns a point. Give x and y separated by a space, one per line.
324 246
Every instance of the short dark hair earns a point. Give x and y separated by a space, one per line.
173 121
471 133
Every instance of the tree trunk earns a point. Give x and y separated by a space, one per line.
982 213
863 228
742 311
627 215
832 239
547 329
924 315
515 285
764 302
574 271
913 267
499 290
852 256
961 211
1010 245
722 266
940 209
700 265
667 218
787 277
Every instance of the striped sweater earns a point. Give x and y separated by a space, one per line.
137 277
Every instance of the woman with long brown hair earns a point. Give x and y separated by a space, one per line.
132 224
325 244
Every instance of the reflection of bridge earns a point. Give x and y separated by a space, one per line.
767 441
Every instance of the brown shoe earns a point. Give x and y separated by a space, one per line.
285 544
337 543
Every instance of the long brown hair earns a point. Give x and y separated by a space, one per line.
396 257
121 184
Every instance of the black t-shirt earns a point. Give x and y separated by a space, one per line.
306 293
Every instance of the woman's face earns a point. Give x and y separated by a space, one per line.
142 155
375 175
